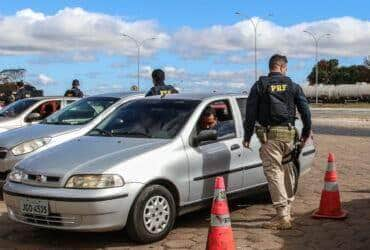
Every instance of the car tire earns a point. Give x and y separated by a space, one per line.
157 202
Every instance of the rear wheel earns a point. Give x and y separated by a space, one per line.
152 216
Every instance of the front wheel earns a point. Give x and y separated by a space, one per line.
152 216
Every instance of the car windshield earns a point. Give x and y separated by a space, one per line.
147 118
81 112
17 108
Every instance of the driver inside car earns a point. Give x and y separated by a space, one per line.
210 121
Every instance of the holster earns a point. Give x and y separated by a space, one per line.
261 133
297 149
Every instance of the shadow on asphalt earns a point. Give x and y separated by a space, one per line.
351 233
18 235
329 130
201 218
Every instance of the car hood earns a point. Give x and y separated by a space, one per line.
14 137
7 123
87 155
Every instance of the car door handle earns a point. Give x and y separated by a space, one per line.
235 147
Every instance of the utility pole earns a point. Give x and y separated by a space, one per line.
316 40
255 26
138 44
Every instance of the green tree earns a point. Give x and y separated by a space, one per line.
331 73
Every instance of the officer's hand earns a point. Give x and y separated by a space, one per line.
246 144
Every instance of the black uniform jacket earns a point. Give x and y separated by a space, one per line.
162 90
282 94
74 92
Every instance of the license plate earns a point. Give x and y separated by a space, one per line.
35 207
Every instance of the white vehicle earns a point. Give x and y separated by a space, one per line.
148 162
71 122
30 111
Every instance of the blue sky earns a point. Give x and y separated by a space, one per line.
201 44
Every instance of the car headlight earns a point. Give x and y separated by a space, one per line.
30 146
94 181
15 175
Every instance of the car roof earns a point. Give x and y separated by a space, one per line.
41 98
119 94
199 96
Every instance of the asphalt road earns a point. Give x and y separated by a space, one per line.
340 112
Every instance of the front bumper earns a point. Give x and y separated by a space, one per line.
71 209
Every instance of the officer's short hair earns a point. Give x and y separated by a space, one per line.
75 83
158 76
277 60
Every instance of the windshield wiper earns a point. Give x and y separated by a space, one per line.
101 132
129 133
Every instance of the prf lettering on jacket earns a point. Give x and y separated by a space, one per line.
278 88
165 92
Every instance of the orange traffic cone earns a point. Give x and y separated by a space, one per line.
220 235
330 206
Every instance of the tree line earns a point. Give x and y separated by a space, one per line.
330 73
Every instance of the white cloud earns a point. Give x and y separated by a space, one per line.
44 79
350 37
76 31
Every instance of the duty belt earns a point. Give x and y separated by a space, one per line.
276 133
284 134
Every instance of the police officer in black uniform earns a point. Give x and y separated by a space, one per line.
160 88
272 103
75 90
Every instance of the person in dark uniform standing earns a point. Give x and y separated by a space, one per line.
272 103
160 88
75 90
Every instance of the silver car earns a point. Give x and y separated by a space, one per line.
70 122
148 162
30 111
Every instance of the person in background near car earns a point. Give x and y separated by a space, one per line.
160 88
22 93
75 90
272 103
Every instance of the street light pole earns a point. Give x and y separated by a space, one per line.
255 26
316 40
138 44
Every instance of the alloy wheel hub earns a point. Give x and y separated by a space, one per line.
156 214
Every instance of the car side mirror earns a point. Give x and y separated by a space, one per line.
205 135
33 117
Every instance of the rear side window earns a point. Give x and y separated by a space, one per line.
242 104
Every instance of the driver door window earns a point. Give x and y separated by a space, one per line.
43 110
218 116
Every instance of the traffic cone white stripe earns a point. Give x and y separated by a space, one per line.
220 220
330 167
331 186
219 195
